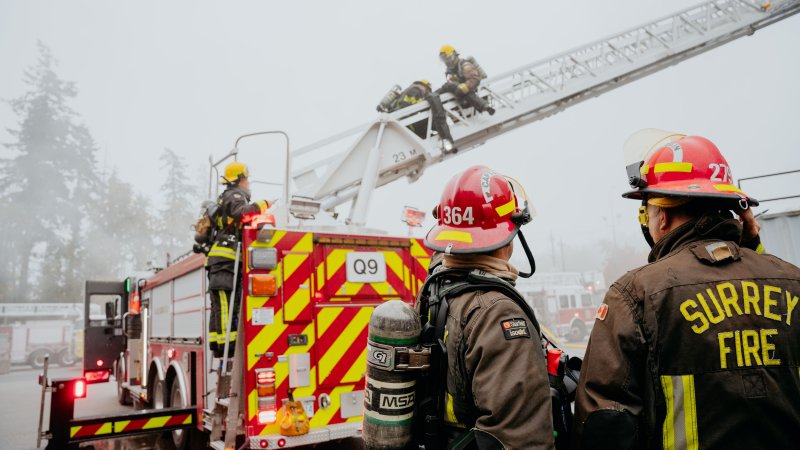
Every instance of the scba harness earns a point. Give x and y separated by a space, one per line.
428 424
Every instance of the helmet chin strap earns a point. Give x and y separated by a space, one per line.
643 220
528 253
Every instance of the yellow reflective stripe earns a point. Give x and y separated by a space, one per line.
222 255
760 248
727 188
668 438
644 169
680 422
262 205
223 249
673 167
502 210
690 412
449 412
453 235
223 307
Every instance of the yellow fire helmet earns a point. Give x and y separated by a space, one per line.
234 172
447 50
426 83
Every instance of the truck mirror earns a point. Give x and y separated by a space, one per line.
110 313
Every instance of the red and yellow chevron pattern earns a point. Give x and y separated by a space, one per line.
316 300
113 427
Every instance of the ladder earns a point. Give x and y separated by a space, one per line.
351 164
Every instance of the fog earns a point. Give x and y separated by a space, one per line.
192 76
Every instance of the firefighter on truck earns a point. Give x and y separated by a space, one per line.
224 235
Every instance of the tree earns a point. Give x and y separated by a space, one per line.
181 200
122 234
45 184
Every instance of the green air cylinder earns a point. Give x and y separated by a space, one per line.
390 393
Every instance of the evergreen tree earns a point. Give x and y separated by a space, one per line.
181 200
46 185
122 234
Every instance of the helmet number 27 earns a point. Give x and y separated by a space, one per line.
454 216
721 173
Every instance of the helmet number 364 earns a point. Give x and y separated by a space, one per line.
454 216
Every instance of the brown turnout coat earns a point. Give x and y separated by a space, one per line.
698 350
497 375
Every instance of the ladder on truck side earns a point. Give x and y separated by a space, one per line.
351 164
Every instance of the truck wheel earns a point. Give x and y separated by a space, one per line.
36 359
123 394
65 358
176 399
577 332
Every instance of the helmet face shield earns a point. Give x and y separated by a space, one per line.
639 147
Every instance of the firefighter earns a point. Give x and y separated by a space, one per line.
700 347
495 385
413 94
463 78
234 210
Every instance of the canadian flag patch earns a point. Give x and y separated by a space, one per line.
602 310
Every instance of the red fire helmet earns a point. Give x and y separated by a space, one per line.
675 165
478 213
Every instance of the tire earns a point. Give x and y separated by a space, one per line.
159 394
36 359
123 394
577 332
180 438
65 358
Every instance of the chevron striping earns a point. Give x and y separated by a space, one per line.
326 316
343 342
326 416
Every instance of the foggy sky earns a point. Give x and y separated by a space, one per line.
192 76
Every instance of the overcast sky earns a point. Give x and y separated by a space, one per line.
193 75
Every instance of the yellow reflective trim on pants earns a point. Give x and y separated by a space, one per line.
680 422
223 309
760 249
667 167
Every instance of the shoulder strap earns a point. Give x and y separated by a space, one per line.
476 280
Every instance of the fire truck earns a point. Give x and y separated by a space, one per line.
565 302
310 280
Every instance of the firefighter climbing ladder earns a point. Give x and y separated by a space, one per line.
385 150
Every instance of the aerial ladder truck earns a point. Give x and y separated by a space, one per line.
309 285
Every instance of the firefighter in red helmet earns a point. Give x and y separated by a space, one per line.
490 387
699 348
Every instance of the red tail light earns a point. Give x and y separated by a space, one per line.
281 442
79 389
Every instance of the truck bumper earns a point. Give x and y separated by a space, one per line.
315 436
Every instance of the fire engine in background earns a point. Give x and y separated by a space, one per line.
565 302
38 330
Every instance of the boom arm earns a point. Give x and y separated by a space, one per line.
385 150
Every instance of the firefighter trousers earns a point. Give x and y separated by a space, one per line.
220 310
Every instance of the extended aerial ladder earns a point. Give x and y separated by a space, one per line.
350 165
